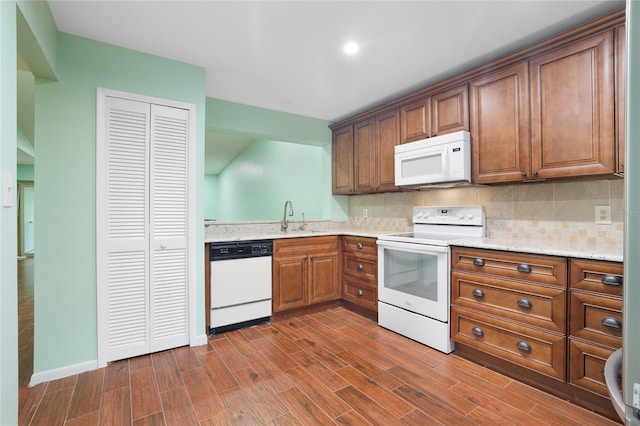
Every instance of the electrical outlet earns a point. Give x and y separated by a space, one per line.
603 215
365 213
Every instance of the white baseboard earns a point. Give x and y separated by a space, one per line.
201 339
59 373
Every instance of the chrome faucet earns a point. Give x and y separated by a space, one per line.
285 222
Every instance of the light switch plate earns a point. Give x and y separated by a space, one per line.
365 213
8 189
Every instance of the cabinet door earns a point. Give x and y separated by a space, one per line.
500 138
415 120
573 109
387 137
289 282
342 154
364 161
450 111
621 87
324 277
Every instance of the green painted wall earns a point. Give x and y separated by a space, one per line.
8 228
266 123
24 143
211 197
65 273
262 177
24 172
269 125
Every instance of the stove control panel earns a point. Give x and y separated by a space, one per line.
449 215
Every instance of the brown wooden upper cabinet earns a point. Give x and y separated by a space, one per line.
374 140
499 109
342 160
568 93
621 87
572 109
434 115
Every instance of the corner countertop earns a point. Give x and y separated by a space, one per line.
293 234
582 250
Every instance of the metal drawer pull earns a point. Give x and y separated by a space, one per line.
360 267
523 267
612 322
359 245
478 262
612 280
477 331
525 303
360 292
478 293
523 346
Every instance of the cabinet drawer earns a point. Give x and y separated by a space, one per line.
360 292
598 276
538 306
531 348
596 318
360 245
548 270
308 245
586 366
364 268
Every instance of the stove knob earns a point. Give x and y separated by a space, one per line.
469 216
461 216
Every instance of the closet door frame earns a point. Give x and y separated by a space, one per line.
101 219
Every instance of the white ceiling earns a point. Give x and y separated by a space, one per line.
287 55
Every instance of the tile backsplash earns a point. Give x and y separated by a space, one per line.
561 211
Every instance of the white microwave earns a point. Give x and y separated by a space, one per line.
440 159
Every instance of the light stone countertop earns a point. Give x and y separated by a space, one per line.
290 234
613 253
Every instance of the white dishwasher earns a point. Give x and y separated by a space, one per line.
240 284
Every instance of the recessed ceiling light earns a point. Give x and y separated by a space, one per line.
351 48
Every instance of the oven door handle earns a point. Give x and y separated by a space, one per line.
412 247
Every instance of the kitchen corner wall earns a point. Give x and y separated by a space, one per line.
563 211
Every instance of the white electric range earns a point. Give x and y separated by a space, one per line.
414 273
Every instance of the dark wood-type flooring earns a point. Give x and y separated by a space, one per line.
329 367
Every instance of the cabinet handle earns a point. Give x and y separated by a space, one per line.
359 245
523 174
535 173
523 346
477 331
478 293
525 303
612 322
305 257
612 280
478 262
523 267
360 267
360 292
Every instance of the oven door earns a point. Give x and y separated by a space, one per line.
414 277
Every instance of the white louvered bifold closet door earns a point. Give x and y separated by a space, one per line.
169 197
143 280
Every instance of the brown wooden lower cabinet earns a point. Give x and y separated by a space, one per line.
538 350
306 271
548 321
360 273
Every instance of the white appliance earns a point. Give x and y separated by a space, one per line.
627 401
414 273
440 159
241 289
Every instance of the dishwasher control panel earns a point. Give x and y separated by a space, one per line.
240 249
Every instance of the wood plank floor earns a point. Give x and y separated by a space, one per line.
330 367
